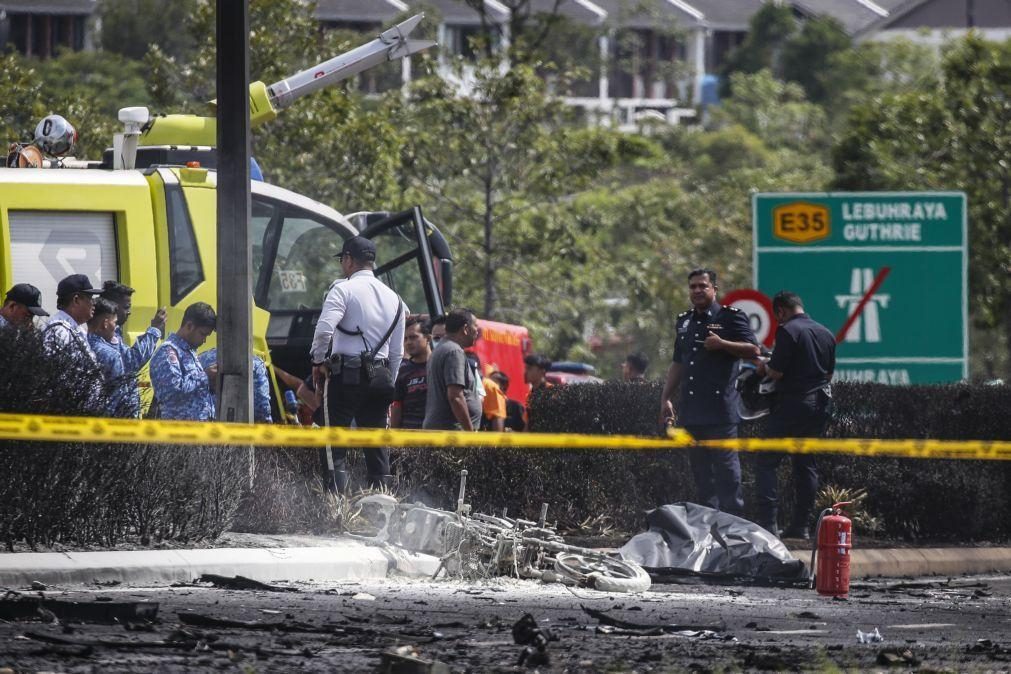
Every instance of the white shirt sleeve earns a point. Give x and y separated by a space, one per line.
334 307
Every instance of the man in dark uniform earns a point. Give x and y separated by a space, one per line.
802 364
711 340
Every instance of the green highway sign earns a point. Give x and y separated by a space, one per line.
886 271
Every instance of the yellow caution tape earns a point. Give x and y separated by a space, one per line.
94 430
912 449
89 429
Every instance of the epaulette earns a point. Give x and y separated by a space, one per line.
684 313
731 308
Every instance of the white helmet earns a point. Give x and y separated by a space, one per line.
55 136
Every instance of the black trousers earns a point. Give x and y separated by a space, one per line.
354 402
792 417
717 472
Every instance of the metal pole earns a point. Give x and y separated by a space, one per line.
235 290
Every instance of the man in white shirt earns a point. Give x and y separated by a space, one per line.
362 320
68 328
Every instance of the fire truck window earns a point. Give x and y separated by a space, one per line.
186 270
262 214
404 278
305 265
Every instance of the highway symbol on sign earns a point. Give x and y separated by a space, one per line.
862 306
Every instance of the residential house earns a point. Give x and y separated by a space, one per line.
40 27
935 21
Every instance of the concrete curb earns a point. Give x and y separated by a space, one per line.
346 560
923 561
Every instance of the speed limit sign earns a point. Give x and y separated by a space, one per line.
758 307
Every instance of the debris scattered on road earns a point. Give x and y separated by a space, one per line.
611 621
241 583
869 637
990 647
38 586
364 596
199 620
895 658
526 632
49 610
406 660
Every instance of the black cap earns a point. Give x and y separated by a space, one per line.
359 248
28 295
76 283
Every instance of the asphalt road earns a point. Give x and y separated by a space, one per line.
961 624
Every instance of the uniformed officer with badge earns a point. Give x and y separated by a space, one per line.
802 363
699 391
356 353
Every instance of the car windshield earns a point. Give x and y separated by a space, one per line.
396 244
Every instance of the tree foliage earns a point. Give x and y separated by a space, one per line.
956 136
794 51
129 27
490 162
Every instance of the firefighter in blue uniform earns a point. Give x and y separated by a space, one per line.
120 388
136 356
699 391
181 384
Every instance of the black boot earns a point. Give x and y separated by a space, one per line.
381 482
339 484
797 531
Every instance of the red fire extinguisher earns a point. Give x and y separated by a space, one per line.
833 540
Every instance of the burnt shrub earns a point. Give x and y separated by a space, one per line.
289 495
80 495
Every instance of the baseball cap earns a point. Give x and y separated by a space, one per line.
76 283
359 248
28 295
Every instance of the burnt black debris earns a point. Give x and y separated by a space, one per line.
241 583
526 632
108 612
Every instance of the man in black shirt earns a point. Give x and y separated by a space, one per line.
408 410
802 364
699 391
